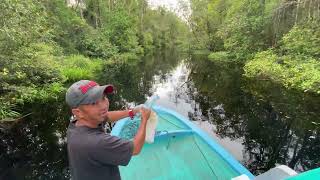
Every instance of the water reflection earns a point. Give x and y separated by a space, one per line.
276 126
260 123
35 148
179 91
289 134
135 79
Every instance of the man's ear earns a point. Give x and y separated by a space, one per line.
77 112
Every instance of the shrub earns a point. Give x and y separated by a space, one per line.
298 72
219 56
31 65
77 67
302 41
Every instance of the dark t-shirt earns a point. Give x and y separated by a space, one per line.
94 154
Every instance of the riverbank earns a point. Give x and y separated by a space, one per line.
275 40
294 64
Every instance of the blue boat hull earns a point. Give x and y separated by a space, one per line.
181 151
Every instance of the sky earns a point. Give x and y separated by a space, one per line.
172 5
167 3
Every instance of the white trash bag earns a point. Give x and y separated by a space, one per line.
151 127
153 119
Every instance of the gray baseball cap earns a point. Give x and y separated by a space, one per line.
86 92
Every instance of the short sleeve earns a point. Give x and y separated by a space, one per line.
113 150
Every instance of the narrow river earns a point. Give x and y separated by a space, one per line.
260 123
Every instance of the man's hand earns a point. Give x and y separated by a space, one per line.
138 108
145 114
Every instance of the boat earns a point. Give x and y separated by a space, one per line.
181 150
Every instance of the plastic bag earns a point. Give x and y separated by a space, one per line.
152 121
151 127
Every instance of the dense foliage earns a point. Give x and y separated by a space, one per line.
47 44
278 40
295 64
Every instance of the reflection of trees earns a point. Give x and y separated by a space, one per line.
34 148
297 139
219 94
134 79
276 124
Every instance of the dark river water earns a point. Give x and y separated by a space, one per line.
258 122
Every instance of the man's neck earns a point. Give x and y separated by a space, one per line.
87 123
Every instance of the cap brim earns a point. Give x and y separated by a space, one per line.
97 93
109 89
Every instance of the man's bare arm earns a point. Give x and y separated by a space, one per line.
116 115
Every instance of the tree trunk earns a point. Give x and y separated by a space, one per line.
297 12
99 14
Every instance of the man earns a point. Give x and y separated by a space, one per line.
94 154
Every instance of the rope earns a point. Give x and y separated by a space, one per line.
205 157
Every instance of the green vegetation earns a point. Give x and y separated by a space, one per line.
47 44
277 40
77 67
295 64
219 56
286 70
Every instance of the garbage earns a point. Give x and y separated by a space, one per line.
131 127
